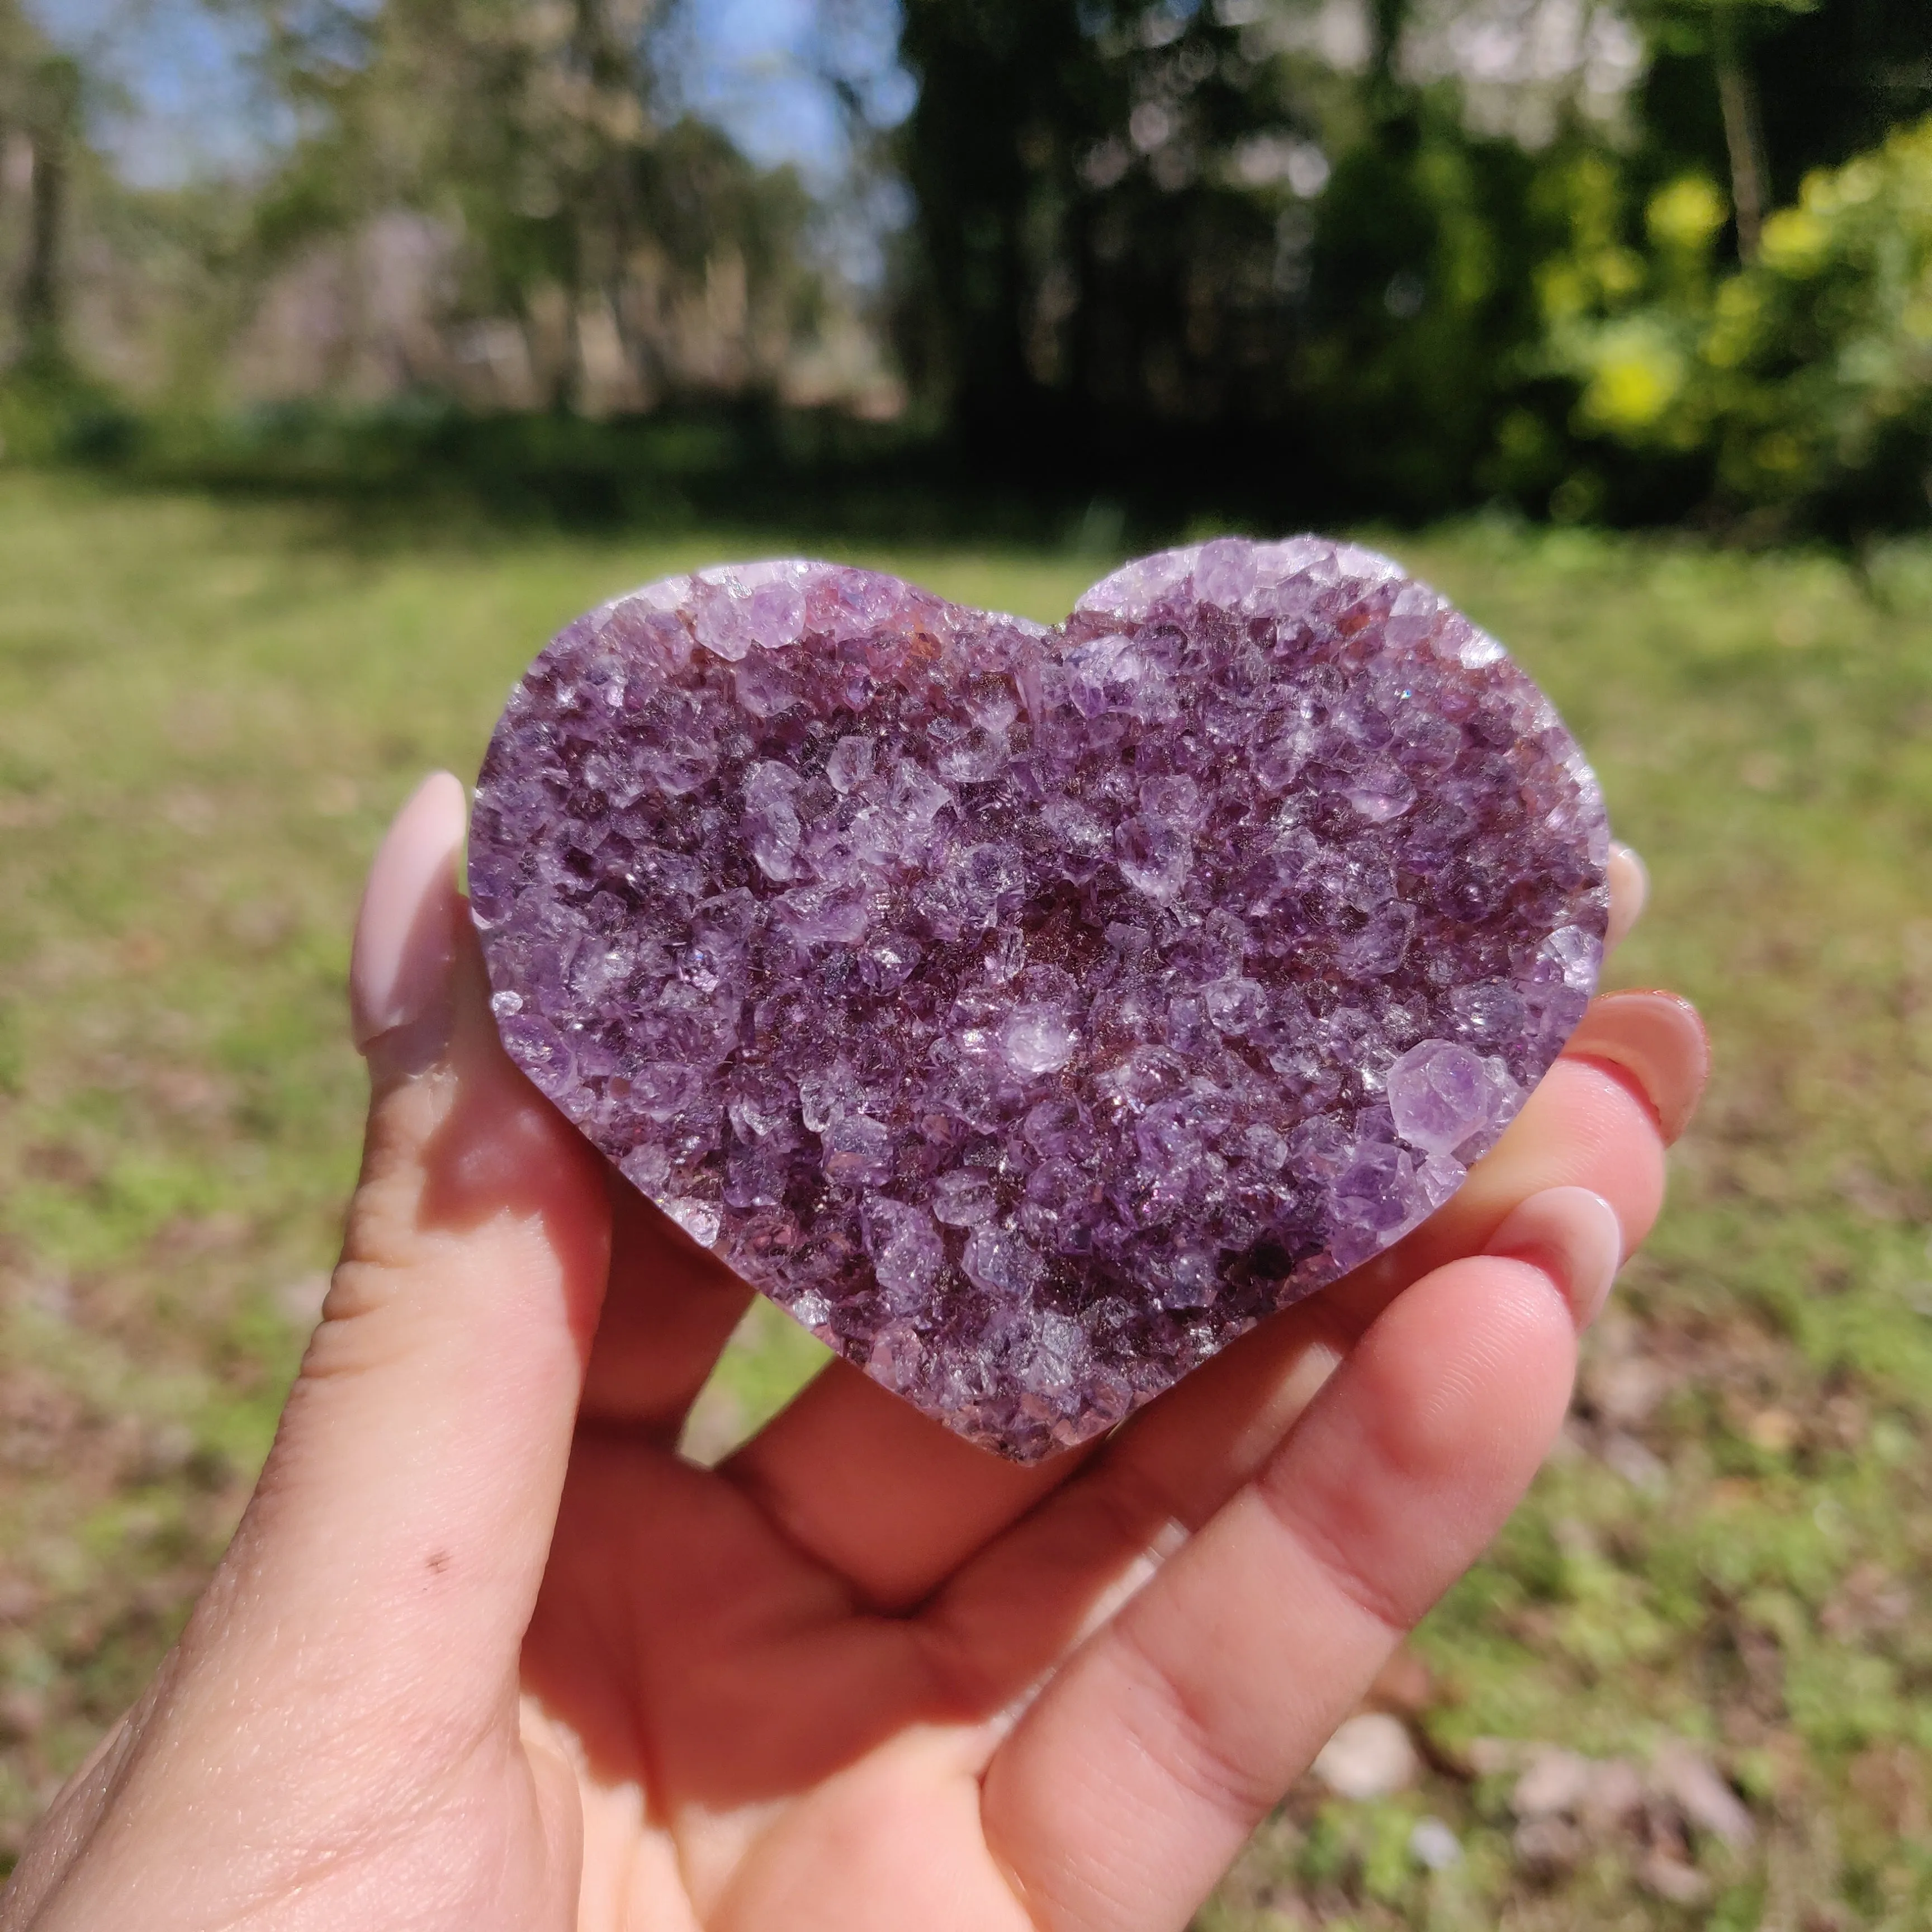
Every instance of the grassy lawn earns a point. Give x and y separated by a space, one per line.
207 713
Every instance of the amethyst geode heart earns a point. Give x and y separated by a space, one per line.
1030 1012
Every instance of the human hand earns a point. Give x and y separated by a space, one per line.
486 1655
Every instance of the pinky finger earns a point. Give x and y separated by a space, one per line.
1131 1783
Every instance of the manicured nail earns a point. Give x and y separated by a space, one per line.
399 972
1659 1039
1630 892
1574 1235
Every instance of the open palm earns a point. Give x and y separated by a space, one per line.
487 1653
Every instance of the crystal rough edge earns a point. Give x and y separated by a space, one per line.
1029 1012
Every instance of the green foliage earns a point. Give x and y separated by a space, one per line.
1158 234
1068 164
1196 253
40 92
1419 270
541 138
1825 80
1801 384
51 414
1161 234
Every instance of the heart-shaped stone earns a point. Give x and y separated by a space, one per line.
1030 1012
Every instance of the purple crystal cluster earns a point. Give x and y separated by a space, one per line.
1030 1012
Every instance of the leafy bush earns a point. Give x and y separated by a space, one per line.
1801 384
55 415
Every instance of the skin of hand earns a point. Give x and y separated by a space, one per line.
486 1655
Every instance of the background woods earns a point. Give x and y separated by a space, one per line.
1339 257
497 203
1374 253
576 240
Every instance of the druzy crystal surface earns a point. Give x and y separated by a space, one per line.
1030 1012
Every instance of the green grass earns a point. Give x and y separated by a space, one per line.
206 714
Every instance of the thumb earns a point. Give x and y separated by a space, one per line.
359 1641
401 1526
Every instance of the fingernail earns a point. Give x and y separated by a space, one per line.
1629 893
1659 1039
399 971
1575 1235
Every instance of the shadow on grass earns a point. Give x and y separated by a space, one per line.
749 465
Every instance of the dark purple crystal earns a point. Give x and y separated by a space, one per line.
1031 1011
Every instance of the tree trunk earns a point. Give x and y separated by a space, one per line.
42 286
1738 99
1388 21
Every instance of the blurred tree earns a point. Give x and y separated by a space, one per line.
53 132
19 51
1006 92
1337 256
636 250
1265 240
1795 391
1197 234
1763 91
40 134
1093 246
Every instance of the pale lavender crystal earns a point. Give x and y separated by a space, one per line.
1031 1011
